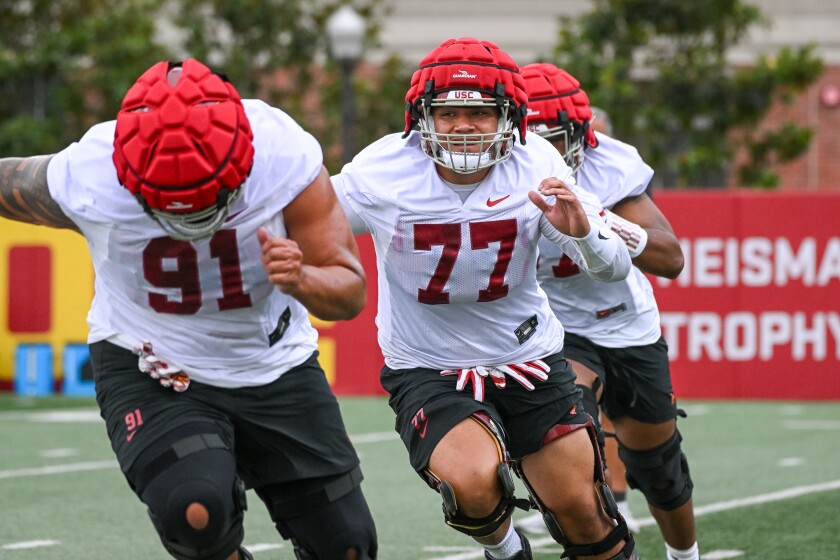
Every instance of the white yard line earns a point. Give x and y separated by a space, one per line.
698 511
794 492
59 415
58 469
262 547
373 437
27 544
829 425
723 554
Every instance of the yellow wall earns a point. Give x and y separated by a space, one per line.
326 349
71 290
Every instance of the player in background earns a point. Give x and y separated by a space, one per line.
214 232
613 337
473 353
602 123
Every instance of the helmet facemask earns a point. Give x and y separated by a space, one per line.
466 153
558 110
190 226
568 135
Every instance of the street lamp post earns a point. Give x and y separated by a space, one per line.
346 30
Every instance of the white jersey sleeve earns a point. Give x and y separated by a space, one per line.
613 171
354 216
207 305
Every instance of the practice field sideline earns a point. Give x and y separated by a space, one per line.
767 478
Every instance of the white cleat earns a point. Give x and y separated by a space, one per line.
532 524
632 522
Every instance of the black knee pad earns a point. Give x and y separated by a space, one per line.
661 474
323 517
207 477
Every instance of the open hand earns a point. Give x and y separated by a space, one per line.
566 214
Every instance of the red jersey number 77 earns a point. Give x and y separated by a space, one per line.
482 234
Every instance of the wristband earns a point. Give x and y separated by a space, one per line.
634 236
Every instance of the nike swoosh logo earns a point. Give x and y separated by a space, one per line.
601 236
232 216
420 423
492 203
130 435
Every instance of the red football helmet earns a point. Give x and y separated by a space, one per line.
559 110
183 147
467 72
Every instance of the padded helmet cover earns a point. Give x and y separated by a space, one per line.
467 64
180 141
552 90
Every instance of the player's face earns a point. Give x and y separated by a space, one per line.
467 121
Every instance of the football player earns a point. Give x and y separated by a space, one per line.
613 337
214 232
602 123
473 353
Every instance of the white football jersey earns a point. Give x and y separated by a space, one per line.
457 281
206 306
616 314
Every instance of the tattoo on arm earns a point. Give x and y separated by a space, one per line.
25 196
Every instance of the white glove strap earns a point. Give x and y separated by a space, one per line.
634 236
167 375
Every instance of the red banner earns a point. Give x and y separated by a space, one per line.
755 313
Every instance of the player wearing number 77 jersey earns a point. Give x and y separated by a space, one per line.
473 353
214 232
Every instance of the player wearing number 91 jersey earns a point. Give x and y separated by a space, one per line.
214 233
143 276
456 210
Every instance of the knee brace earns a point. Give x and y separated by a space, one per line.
324 517
196 473
590 406
480 527
618 534
661 474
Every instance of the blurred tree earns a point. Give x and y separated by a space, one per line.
66 65
659 68
277 50
380 105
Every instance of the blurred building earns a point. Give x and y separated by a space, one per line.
528 31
